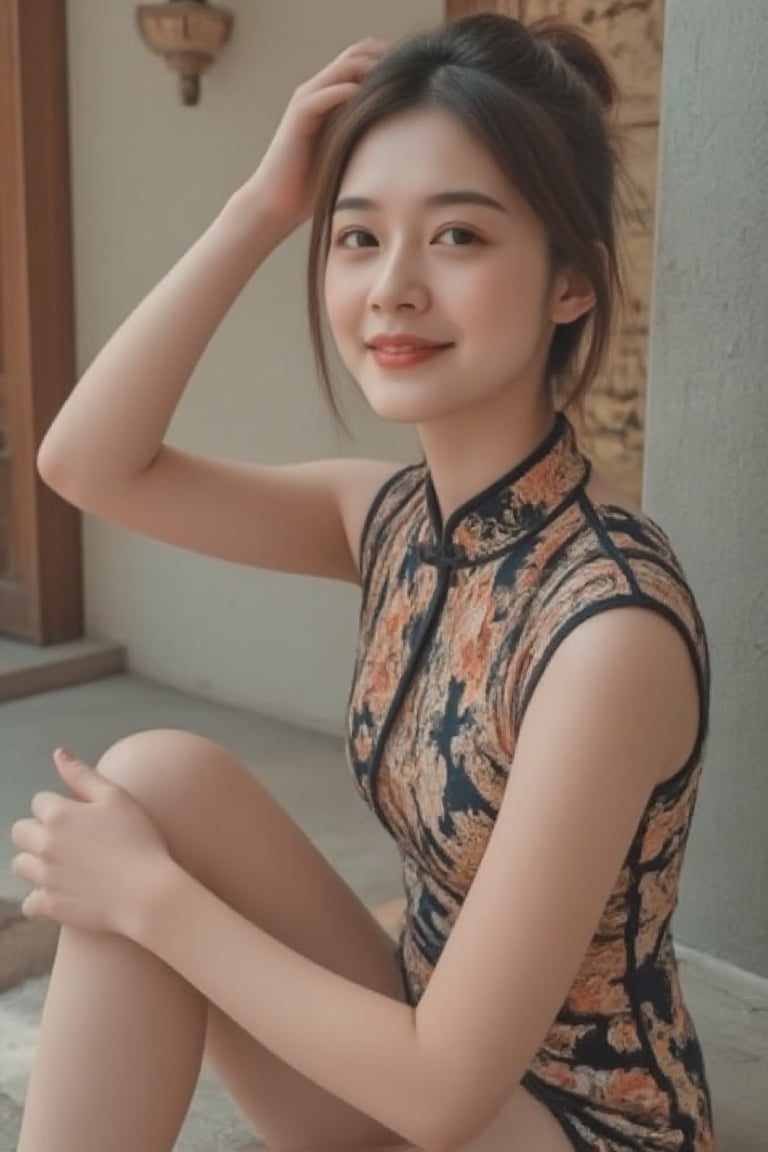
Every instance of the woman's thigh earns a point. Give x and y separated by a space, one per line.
224 827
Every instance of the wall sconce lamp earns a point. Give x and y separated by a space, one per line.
189 34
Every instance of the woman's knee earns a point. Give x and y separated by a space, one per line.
159 767
175 776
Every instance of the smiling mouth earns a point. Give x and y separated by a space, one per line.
392 342
406 349
404 355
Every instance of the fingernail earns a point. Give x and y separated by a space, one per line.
63 754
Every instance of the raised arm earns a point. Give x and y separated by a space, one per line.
104 451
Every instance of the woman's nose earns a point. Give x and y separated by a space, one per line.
398 285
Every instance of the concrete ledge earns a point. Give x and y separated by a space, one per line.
27 947
26 669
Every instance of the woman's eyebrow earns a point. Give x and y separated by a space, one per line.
439 199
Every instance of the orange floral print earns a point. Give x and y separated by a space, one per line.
457 624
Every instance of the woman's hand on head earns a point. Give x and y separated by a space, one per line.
92 859
286 174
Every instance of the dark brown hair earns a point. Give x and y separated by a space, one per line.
538 98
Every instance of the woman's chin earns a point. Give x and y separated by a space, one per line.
398 405
397 413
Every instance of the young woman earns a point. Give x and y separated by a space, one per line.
530 696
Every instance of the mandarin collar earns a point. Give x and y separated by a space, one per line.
511 509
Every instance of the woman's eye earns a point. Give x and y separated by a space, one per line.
459 237
356 238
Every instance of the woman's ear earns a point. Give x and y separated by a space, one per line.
572 296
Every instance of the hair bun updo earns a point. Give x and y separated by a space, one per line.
577 51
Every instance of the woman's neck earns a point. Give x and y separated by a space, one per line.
468 451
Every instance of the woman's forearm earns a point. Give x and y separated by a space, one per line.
357 1044
113 423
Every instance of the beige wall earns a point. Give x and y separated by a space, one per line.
148 175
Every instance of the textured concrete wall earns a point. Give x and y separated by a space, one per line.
707 436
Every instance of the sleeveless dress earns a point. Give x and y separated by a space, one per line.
458 622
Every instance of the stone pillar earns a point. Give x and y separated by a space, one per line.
706 466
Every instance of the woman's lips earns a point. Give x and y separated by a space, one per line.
405 356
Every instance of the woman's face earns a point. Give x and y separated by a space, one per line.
438 285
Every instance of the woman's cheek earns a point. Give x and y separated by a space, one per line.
491 303
340 312
331 296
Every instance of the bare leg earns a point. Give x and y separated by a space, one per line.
119 1053
122 1035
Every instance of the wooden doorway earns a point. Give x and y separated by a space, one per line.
630 33
40 564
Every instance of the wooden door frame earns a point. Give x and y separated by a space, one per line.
41 593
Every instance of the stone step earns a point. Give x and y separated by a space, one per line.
28 669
